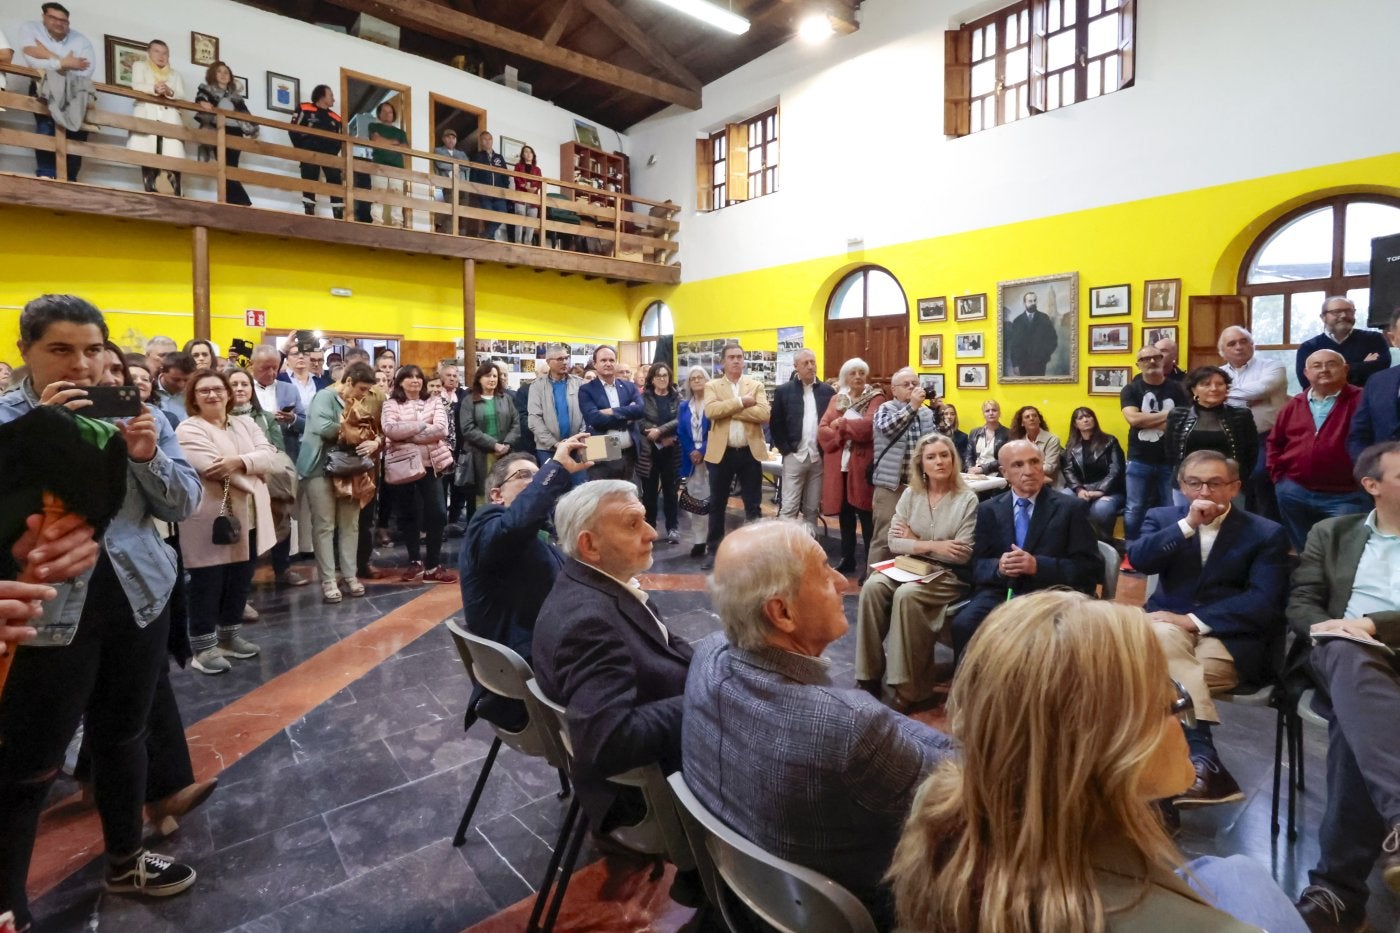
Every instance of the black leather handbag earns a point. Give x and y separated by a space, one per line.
227 528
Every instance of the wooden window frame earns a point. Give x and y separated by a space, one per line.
718 179
958 101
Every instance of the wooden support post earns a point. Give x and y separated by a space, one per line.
60 152
617 224
221 180
199 248
469 314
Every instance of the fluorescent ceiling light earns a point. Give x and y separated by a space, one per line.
709 13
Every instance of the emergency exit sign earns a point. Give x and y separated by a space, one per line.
255 318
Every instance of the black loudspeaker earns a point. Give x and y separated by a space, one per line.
1385 280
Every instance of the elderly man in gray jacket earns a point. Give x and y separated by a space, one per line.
898 424
553 413
814 773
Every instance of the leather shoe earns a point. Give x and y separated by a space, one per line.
1390 865
1325 912
708 564
164 813
1213 785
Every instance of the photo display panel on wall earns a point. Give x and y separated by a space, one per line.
708 353
526 356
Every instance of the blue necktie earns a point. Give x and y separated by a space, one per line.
1022 520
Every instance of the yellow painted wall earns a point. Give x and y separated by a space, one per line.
139 275
1198 236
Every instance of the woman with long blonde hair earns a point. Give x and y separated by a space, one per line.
1068 725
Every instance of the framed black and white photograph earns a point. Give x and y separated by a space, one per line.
1038 329
204 49
969 346
1111 338
283 93
1110 300
1151 335
1161 299
121 55
242 85
510 150
973 375
970 307
933 309
931 350
1108 380
933 383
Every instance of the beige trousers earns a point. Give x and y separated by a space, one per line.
882 508
802 489
336 525
1201 664
897 627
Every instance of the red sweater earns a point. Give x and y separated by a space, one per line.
1316 460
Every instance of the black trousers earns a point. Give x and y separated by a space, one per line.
849 516
362 208
168 767
217 596
110 673
236 194
421 508
737 461
312 172
665 473
1362 706
969 619
459 497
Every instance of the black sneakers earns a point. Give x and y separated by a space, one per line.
149 874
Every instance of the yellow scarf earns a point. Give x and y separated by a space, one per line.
160 74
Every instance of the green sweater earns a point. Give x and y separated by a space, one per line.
389 156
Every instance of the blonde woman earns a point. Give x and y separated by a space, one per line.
154 75
692 427
1070 728
934 519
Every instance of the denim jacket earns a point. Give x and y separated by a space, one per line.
166 489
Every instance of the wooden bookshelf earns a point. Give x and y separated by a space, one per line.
595 168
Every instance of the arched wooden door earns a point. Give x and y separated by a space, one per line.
867 316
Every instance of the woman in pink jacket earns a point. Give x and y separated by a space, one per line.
416 425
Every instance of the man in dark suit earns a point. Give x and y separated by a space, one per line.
602 650
1218 606
817 774
506 568
1028 538
1030 340
611 405
1345 611
1377 415
798 406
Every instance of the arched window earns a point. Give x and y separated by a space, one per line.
656 323
1320 249
867 316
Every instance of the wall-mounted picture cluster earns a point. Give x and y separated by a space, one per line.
1161 300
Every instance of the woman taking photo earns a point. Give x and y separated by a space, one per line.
232 456
1046 820
658 456
488 426
335 518
1029 425
846 437
528 165
933 519
220 92
692 428
153 75
985 441
1209 424
1093 470
416 426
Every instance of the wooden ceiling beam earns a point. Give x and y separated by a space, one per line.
650 49
426 16
561 22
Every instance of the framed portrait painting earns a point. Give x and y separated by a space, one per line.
283 92
1110 300
1108 380
931 350
1038 329
933 309
1161 299
510 150
121 55
242 85
973 375
204 49
970 307
1111 338
587 134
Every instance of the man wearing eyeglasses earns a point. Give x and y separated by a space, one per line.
51 45
1366 352
1345 610
1222 583
1146 402
553 411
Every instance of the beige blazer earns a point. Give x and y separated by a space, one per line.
249 501
721 405
1163 902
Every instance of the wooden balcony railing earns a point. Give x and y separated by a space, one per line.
604 223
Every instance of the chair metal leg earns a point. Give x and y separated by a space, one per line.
1278 769
564 788
560 844
461 837
1298 720
1295 750
566 872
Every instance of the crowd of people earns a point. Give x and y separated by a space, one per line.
66 62
928 832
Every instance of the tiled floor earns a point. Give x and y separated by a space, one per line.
341 819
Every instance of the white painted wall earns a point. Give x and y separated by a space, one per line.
1225 91
254 42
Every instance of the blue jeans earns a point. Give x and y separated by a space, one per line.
1103 513
1149 484
45 165
1301 508
1244 889
492 204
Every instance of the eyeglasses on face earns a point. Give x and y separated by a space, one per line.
1214 485
1182 707
1154 358
520 474
214 390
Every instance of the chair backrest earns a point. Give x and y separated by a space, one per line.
786 896
1111 561
551 715
501 671
1150 587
